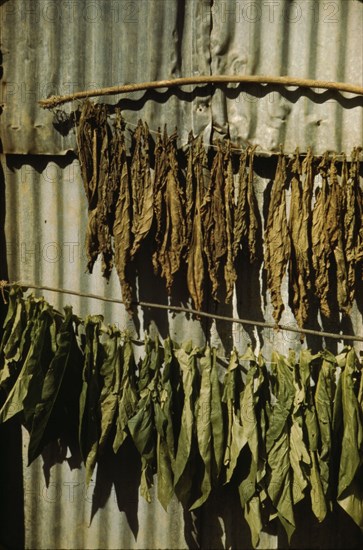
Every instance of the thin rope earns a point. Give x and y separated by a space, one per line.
180 309
209 79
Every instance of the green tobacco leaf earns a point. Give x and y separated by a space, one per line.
204 428
89 408
216 417
111 374
164 419
15 298
186 357
278 444
232 387
324 399
350 491
318 501
248 488
66 357
25 393
142 426
127 398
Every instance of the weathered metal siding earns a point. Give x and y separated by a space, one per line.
60 47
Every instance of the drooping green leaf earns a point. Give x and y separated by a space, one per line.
111 374
350 490
278 444
89 407
164 419
25 393
127 398
55 389
142 425
186 356
324 399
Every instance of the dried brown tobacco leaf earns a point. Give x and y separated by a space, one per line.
170 208
230 275
142 187
85 147
246 218
335 228
197 161
213 213
277 241
190 192
104 208
159 194
353 221
320 241
122 225
300 270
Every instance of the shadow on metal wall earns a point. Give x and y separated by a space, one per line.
11 471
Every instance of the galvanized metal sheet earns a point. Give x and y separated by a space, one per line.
61 47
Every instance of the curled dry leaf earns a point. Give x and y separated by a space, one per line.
353 222
277 241
320 241
335 228
169 211
246 213
142 187
197 162
230 275
122 224
300 268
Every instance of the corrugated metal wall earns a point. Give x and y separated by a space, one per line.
60 47
49 47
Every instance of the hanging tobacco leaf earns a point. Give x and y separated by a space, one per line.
277 241
231 389
26 391
142 187
335 228
348 408
209 425
213 211
122 224
127 397
60 389
300 265
246 212
93 151
183 471
324 399
311 425
249 488
300 460
85 133
104 211
278 443
89 402
230 275
164 422
353 222
16 340
110 372
142 425
169 209
197 163
327 237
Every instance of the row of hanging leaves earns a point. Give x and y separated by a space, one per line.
197 216
279 431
